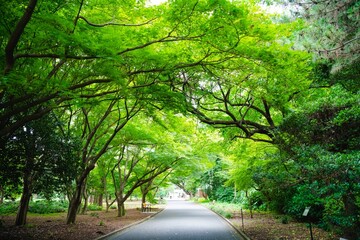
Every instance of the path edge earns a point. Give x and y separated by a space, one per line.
242 234
128 226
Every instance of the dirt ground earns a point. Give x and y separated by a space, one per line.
90 226
265 226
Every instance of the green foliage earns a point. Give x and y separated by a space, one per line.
202 200
93 207
285 220
224 209
45 206
8 207
43 151
213 183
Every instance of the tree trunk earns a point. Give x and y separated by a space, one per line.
86 199
108 205
25 199
143 201
74 204
250 204
143 197
121 208
103 190
2 193
100 200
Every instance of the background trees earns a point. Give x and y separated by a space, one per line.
40 159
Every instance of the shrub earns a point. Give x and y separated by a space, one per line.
285 220
228 215
203 200
8 207
45 207
93 207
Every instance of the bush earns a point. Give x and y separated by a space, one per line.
45 207
228 215
285 220
93 207
203 200
8 207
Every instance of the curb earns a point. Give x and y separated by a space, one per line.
241 233
246 237
128 226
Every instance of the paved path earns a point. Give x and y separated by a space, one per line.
180 220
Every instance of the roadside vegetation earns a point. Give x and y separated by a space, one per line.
261 225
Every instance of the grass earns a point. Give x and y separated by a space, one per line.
227 210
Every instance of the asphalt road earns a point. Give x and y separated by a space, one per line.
180 220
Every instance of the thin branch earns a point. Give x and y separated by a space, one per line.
340 47
114 24
77 16
54 56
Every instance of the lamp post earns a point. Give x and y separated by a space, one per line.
305 213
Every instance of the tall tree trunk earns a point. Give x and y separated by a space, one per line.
144 192
74 204
121 209
107 199
25 199
103 190
75 200
120 204
143 201
250 204
86 199
100 200
143 198
2 193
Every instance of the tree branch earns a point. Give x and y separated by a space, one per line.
15 36
114 24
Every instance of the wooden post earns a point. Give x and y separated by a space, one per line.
242 219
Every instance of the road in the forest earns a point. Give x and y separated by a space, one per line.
180 220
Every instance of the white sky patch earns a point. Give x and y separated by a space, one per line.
274 9
154 2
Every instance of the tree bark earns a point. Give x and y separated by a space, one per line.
25 199
86 199
16 34
74 204
121 206
2 193
250 204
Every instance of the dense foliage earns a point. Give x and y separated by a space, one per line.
104 100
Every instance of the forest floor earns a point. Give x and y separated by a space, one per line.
92 225
267 226
95 224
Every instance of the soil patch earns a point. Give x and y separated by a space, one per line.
90 226
266 226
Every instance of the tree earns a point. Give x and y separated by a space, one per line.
251 91
333 34
91 53
97 124
38 157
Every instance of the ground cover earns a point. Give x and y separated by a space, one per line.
92 225
268 226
